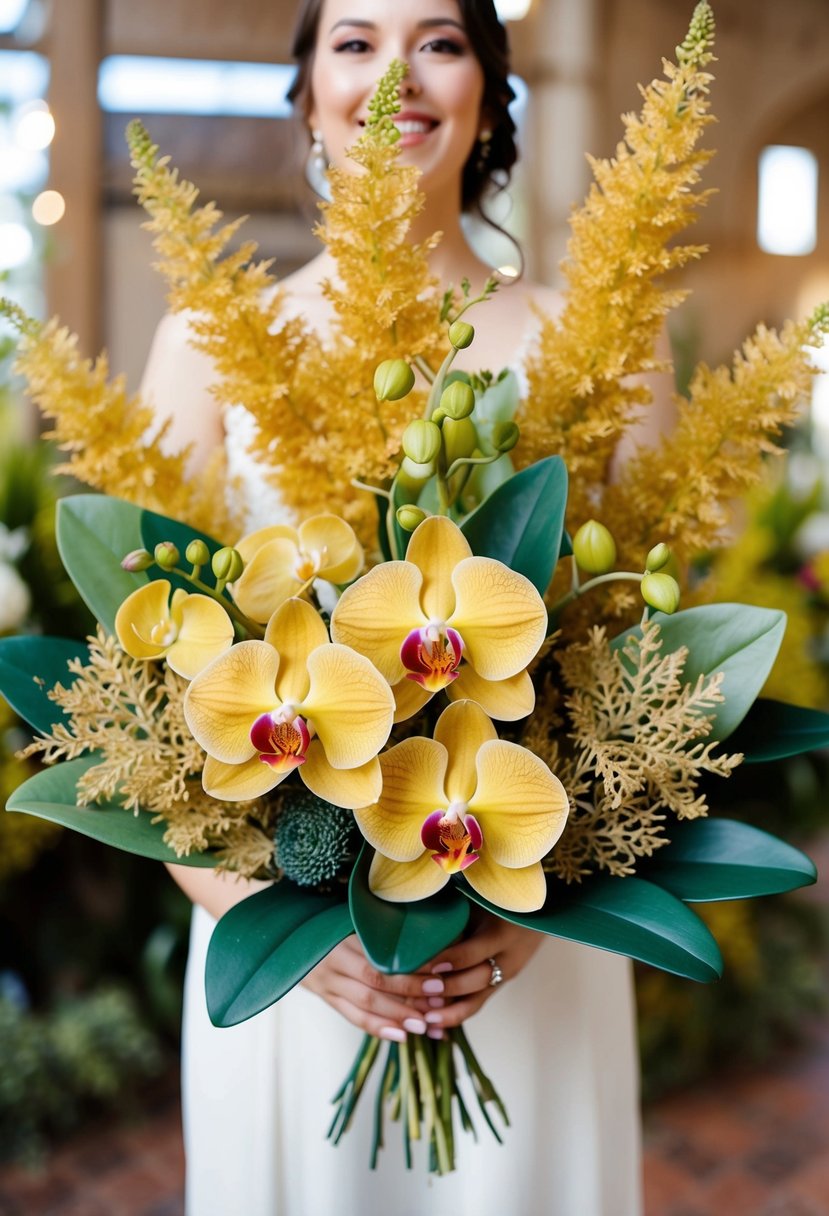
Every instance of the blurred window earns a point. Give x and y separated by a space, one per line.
788 197
138 84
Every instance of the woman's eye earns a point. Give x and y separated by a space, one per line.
444 46
353 45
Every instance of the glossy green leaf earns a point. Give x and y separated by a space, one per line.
402 937
711 859
737 639
773 730
265 945
626 916
522 523
95 532
52 794
29 667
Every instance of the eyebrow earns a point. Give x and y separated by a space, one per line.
428 24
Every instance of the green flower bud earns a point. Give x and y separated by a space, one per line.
413 476
594 548
660 591
658 557
457 400
421 441
137 560
314 840
460 439
393 380
227 564
505 435
167 555
410 517
197 553
461 334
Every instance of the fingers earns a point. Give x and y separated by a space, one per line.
456 1012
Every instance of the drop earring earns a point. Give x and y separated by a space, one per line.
316 166
484 150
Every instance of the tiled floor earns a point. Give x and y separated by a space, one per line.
745 1146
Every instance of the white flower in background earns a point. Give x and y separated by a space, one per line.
13 544
15 599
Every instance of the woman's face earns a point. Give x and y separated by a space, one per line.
440 114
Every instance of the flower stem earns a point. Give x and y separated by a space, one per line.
577 591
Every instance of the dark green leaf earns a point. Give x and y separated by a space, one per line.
773 730
402 937
626 916
266 944
711 859
737 639
52 794
522 523
95 532
31 666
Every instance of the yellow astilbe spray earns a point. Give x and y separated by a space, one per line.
580 397
112 440
680 491
635 753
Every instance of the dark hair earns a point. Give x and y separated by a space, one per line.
488 39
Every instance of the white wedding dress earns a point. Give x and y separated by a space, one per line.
558 1041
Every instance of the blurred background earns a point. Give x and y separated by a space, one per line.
92 943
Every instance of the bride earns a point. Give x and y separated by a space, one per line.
558 1033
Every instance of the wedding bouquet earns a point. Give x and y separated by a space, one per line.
457 689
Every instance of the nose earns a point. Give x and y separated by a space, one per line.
410 86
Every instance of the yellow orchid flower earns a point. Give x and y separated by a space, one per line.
189 631
293 701
281 562
445 619
464 802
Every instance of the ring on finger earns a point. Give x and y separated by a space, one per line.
497 976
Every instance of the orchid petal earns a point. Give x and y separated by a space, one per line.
349 705
413 773
346 787
406 882
409 698
500 616
521 806
463 728
177 602
436 547
296 630
240 782
225 699
522 890
375 614
268 580
254 541
333 537
506 700
139 614
206 632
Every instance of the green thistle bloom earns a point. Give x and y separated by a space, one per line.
313 839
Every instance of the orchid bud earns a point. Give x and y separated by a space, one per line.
457 400
460 439
421 441
410 517
661 592
594 548
167 555
227 564
505 435
393 380
461 334
197 553
137 560
658 557
412 477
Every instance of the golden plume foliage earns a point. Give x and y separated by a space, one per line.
112 441
581 398
635 752
318 422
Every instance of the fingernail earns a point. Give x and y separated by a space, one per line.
434 1019
435 1032
433 987
436 1002
393 1032
415 1025
439 967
